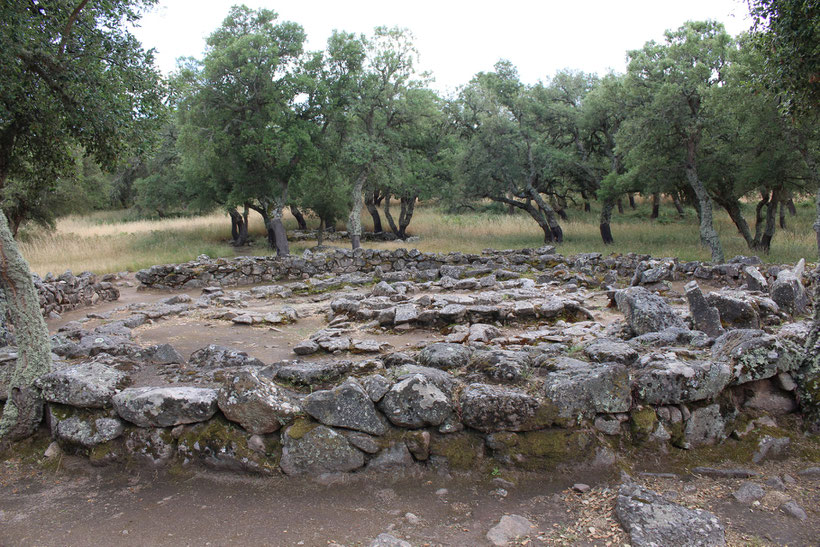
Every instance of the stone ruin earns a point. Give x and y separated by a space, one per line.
521 358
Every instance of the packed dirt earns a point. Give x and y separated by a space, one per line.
77 504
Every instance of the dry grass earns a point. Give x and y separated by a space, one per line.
106 242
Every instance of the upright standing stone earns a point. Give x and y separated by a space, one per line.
705 317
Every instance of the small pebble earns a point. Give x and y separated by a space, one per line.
581 487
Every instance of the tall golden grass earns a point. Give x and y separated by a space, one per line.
105 242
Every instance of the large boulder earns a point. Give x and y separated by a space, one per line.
256 403
579 388
165 406
754 355
87 385
444 356
309 448
215 356
604 350
737 309
645 311
221 445
86 428
347 405
788 291
706 318
668 380
415 401
653 521
497 408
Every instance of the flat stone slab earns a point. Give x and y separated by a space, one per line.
653 521
87 385
166 406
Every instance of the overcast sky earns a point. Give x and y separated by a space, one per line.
456 38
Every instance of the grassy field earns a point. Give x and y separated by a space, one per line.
107 242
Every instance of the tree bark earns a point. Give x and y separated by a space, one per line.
320 233
389 215
370 203
771 224
280 237
782 209
760 218
732 206
631 201
656 205
606 219
807 376
354 224
708 234
620 204
239 228
300 218
678 204
24 406
408 206
534 212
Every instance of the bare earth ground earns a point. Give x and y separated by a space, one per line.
71 502
82 505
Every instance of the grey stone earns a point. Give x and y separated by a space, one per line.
706 318
165 406
319 450
347 405
444 356
386 540
215 356
771 448
755 355
480 332
362 441
396 455
508 529
452 313
406 313
608 425
86 428
336 343
256 403
579 388
312 373
415 401
645 311
603 350
666 380
53 451
306 347
788 292
162 354
786 382
725 473
765 395
749 492
87 385
152 446
792 509
376 386
754 279
705 426
736 309
653 521
497 408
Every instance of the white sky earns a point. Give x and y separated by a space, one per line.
458 38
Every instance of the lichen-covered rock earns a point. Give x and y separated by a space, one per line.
215 356
312 373
653 521
86 428
788 292
151 446
347 405
645 311
604 350
165 406
543 449
578 388
415 401
706 318
705 425
666 379
315 449
220 445
496 408
444 356
87 385
736 309
754 355
256 403
394 456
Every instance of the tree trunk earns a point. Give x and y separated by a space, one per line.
620 206
300 218
408 206
24 406
243 232
807 376
280 237
732 206
631 201
370 203
239 228
771 224
320 233
554 226
760 218
708 234
678 204
606 219
782 214
389 215
534 212
354 224
656 205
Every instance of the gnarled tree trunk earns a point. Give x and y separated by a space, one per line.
708 234
606 219
732 206
24 407
370 203
354 220
300 218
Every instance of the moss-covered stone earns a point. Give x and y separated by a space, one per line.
301 427
221 445
462 451
642 423
542 450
